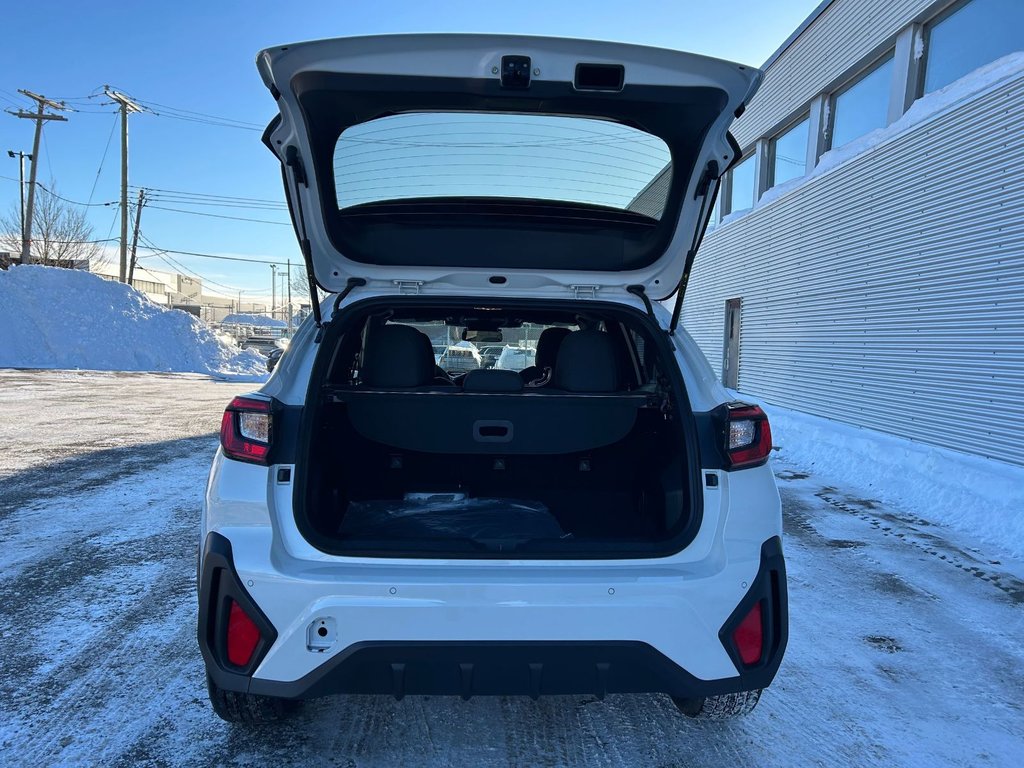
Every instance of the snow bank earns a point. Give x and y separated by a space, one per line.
976 495
64 318
261 320
967 87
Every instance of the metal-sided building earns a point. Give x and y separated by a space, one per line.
866 261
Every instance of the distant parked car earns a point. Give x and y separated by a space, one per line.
273 358
460 359
515 358
489 356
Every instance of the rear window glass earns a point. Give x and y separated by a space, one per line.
487 155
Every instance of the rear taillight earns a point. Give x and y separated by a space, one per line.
748 437
243 636
246 430
748 637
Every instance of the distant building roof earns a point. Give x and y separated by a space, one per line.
245 319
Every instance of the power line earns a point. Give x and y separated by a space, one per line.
196 114
221 216
210 195
215 256
181 266
192 116
113 127
213 204
49 162
73 202
80 242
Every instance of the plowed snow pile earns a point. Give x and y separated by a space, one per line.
65 318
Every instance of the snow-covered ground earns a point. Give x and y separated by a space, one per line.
64 318
906 649
977 496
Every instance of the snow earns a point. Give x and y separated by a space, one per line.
970 86
918 44
982 497
63 318
906 643
247 319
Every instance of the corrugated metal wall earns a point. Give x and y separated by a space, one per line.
846 32
889 293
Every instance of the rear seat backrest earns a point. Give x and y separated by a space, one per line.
492 380
547 353
587 363
397 356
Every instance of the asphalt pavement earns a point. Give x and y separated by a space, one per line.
907 640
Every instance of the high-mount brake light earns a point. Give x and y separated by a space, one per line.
748 436
246 430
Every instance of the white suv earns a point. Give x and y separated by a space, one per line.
602 522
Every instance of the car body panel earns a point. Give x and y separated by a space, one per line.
677 604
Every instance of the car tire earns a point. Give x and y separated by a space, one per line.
722 707
248 708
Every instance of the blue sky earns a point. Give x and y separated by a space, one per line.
198 56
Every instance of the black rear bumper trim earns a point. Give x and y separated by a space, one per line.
534 668
219 585
523 668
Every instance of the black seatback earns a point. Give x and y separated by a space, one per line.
492 380
587 362
547 353
397 356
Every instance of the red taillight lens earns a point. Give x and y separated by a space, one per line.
748 436
243 636
748 637
245 430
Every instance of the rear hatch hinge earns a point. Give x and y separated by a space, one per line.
584 291
408 287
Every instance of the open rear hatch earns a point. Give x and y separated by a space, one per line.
475 164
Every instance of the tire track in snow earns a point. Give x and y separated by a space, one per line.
104 616
134 694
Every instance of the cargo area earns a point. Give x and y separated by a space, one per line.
581 454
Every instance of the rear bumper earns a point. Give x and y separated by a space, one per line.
486 666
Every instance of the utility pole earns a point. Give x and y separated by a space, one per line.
289 297
273 289
127 106
21 184
135 236
40 116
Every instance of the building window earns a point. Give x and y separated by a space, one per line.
716 212
862 107
741 184
973 35
789 153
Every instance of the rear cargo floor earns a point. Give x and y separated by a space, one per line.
364 490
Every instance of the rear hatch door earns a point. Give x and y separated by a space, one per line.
480 164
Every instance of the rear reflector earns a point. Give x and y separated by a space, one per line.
243 636
748 637
246 430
